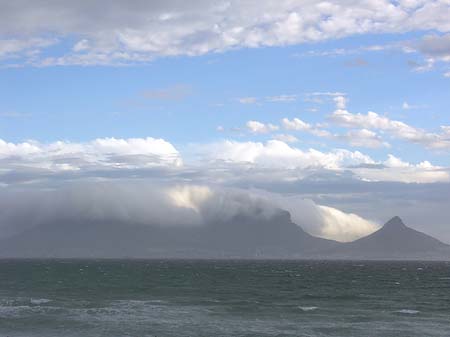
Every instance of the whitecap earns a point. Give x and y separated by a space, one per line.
308 308
39 301
408 311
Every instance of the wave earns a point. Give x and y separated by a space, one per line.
308 308
38 301
408 311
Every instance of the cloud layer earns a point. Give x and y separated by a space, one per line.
148 181
165 205
114 32
101 153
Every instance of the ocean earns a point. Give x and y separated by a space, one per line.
58 298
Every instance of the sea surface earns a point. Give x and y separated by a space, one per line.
223 298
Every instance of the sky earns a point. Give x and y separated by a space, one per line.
337 111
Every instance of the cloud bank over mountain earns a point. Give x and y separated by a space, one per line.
147 181
143 203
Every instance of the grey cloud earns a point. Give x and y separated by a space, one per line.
285 176
115 32
436 46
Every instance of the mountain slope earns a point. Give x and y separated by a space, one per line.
394 240
241 236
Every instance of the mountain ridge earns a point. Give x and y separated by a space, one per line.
242 236
393 240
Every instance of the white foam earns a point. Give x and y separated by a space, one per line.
408 311
308 308
39 301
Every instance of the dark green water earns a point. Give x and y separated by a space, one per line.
224 298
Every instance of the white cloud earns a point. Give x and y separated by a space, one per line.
101 153
295 124
189 205
397 129
258 127
362 138
406 106
341 102
398 170
446 130
247 100
225 161
286 138
278 154
356 138
188 196
15 48
282 98
323 221
395 162
344 227
282 162
144 181
81 45
152 29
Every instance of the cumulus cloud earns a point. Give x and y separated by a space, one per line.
276 160
395 128
286 138
395 169
146 30
258 127
341 102
356 138
282 162
277 154
362 138
99 154
295 124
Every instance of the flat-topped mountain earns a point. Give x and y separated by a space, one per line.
247 236
242 236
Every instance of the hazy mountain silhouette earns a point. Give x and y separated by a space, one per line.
242 236
394 241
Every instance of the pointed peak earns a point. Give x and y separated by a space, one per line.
395 222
